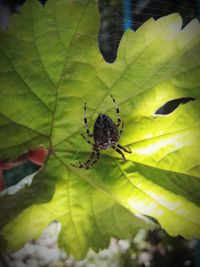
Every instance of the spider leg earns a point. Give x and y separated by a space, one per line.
117 111
124 149
88 141
95 161
122 128
120 152
83 165
86 122
89 163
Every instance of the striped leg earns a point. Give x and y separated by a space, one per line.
95 161
117 111
124 149
88 141
84 164
120 152
90 162
122 128
86 122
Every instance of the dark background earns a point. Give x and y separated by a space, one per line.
118 15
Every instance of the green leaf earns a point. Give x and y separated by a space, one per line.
49 66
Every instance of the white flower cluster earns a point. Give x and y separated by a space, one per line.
45 252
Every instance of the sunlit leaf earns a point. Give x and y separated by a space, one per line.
49 66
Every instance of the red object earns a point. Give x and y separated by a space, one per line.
1 180
37 156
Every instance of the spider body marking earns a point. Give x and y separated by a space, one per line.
106 134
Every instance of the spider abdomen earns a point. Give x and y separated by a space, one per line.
105 132
106 135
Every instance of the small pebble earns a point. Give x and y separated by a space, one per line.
47 255
50 235
32 263
19 255
70 262
30 249
124 245
103 254
17 264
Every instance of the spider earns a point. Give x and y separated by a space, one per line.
106 134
